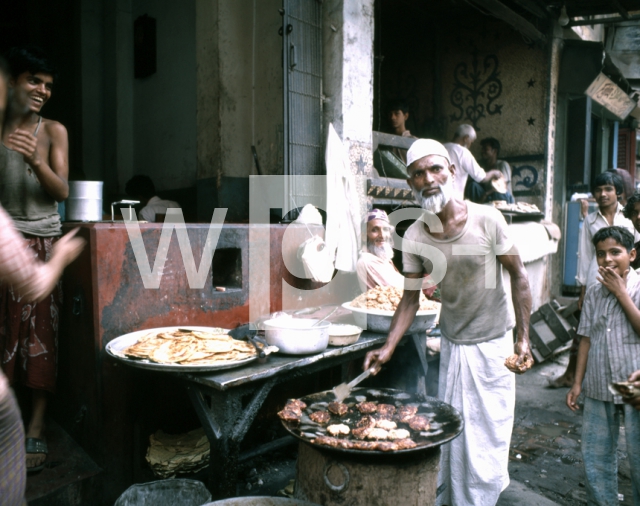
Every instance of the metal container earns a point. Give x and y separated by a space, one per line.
85 201
260 501
377 320
343 335
296 336
165 493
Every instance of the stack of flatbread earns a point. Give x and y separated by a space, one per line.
190 347
183 453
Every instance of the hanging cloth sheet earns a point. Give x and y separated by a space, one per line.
343 214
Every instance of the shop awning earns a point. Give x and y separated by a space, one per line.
587 69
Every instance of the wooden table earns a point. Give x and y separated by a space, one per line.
217 398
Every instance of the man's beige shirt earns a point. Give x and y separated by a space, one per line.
471 313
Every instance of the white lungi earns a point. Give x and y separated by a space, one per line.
474 380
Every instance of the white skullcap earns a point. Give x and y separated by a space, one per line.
426 147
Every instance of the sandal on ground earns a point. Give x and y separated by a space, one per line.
35 445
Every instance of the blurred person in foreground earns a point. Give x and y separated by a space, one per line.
33 280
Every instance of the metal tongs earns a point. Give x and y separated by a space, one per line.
342 391
249 333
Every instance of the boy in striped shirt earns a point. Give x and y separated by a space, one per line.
609 351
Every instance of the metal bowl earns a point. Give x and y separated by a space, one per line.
297 336
260 501
377 320
343 335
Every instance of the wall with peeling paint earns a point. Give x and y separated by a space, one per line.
493 79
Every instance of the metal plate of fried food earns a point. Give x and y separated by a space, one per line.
181 349
445 421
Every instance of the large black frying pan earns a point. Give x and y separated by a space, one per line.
446 422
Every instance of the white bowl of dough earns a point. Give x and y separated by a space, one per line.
342 334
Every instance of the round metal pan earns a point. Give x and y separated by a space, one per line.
115 347
446 421
377 320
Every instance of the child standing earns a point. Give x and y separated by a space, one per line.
607 190
609 351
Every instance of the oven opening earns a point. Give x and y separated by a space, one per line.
226 269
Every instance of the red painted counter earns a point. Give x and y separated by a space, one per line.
98 400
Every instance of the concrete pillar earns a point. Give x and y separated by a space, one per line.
239 98
208 89
118 95
348 76
92 85
555 184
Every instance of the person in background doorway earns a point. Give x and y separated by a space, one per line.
142 188
490 147
398 116
33 178
631 211
628 188
464 162
606 189
609 350
32 280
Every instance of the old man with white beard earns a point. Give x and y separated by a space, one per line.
465 245
375 265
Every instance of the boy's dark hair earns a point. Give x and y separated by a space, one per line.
30 59
608 178
619 234
628 185
631 202
140 186
492 142
397 105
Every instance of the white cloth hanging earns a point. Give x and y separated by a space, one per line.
342 235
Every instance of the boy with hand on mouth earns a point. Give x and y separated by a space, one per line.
609 351
606 189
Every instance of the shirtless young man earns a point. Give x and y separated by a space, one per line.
34 170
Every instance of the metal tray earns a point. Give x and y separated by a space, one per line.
115 347
377 320
446 421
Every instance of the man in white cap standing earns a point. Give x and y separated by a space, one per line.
466 165
464 246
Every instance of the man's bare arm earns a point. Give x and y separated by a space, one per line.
402 320
52 167
491 175
521 297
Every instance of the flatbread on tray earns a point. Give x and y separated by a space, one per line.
190 347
